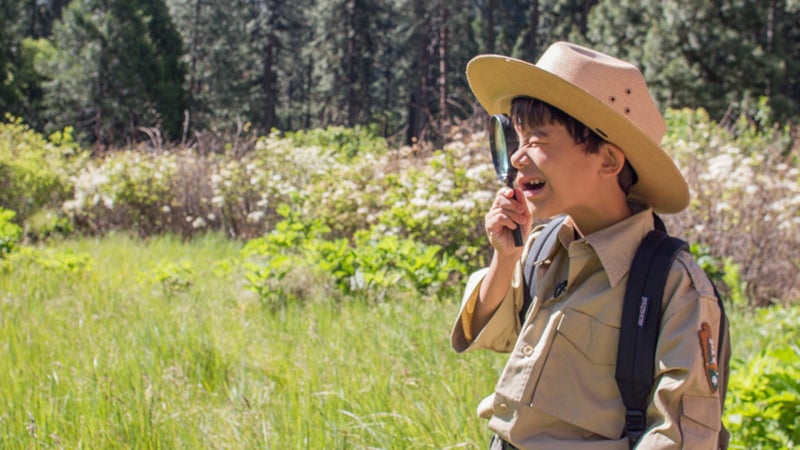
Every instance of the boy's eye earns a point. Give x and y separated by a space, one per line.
533 140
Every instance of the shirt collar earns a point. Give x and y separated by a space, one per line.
615 245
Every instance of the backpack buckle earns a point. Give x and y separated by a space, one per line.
634 425
634 420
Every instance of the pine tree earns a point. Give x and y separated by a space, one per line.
278 35
8 14
218 60
346 40
113 69
720 55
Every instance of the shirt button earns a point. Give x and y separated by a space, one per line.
527 350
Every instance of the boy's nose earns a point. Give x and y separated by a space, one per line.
520 159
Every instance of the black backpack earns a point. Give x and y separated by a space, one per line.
641 316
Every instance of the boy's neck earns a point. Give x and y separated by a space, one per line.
597 219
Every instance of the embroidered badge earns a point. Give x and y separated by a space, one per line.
709 356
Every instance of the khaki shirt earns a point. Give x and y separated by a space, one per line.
557 390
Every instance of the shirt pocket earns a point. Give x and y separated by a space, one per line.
700 421
577 383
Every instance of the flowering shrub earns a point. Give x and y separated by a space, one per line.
745 205
744 180
124 190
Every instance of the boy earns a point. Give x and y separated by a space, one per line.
589 137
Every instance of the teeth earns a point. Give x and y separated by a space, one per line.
535 183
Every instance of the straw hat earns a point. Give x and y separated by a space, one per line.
606 94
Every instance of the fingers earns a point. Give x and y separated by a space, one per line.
509 204
507 213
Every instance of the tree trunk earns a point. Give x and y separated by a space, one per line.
442 81
533 23
490 36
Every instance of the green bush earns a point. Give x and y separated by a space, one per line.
66 263
765 408
762 409
34 171
9 232
368 267
173 277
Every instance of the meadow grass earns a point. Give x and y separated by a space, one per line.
126 343
157 344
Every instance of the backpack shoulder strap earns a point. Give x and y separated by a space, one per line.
541 246
639 327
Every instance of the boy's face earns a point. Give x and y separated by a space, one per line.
556 175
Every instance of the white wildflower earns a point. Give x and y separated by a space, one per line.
446 185
441 220
421 214
255 217
483 196
477 172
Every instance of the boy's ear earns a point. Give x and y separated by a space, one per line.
612 159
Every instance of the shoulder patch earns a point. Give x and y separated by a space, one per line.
709 350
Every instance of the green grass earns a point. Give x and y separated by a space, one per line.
124 343
157 344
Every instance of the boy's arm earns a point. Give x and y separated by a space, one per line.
496 292
493 290
685 411
499 331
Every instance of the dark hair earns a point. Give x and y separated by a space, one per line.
530 113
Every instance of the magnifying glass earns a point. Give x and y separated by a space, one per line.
503 143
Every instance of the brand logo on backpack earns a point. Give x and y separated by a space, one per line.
709 356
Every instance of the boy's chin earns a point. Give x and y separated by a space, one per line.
544 214
539 213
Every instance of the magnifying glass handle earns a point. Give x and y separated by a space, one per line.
518 236
516 231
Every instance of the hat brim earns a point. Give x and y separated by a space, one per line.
496 80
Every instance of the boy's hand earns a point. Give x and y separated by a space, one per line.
506 214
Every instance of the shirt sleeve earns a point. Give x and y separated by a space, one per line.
500 332
685 410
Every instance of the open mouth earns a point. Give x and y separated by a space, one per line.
532 185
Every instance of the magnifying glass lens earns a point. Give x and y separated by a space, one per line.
503 134
500 149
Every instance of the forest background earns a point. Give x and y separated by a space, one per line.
207 209
121 71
